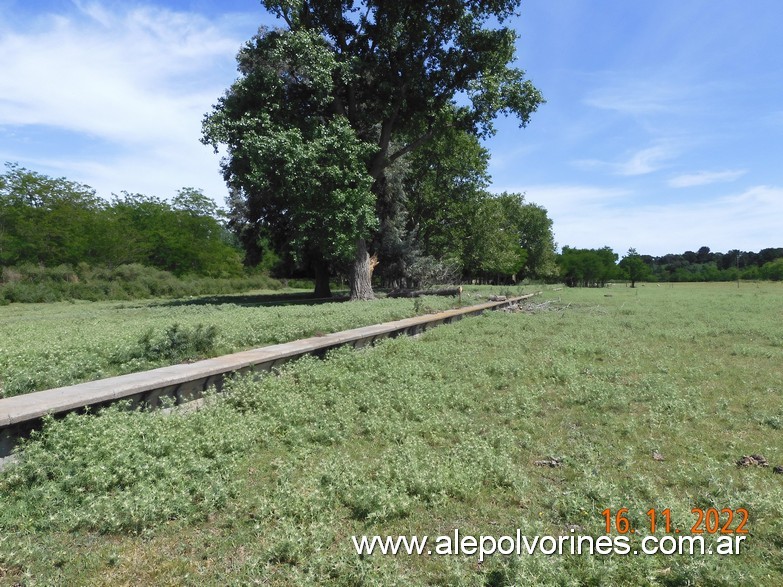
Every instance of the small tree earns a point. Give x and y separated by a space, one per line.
634 268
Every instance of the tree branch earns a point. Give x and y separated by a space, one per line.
415 144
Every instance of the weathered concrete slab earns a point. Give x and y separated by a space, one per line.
184 382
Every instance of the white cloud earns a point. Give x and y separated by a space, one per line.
637 97
95 11
592 217
115 78
138 79
705 178
645 161
563 200
642 162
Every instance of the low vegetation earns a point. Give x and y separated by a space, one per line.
51 345
35 284
642 398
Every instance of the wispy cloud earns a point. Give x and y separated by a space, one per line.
641 162
705 178
636 97
95 11
138 78
646 161
564 199
592 216
114 75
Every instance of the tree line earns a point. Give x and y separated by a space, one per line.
49 222
596 267
447 227
705 265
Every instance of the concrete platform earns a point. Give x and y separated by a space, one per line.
185 382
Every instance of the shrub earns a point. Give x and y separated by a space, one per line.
175 344
36 284
428 271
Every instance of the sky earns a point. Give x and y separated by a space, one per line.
662 130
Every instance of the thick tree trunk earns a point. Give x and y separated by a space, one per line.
322 288
361 273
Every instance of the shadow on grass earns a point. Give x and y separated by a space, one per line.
259 300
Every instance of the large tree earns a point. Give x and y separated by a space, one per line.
533 229
382 76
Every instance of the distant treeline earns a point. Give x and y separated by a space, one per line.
596 267
50 222
704 265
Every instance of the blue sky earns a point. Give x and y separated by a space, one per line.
663 128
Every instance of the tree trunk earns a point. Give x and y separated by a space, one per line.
361 273
322 288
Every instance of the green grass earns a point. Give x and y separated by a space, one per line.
267 483
51 345
38 284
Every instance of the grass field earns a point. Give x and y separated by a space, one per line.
50 345
268 483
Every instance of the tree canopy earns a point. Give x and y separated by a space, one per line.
53 221
342 93
587 267
634 268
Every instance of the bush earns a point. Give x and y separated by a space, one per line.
36 284
428 271
773 270
175 344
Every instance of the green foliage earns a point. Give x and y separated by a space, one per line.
51 222
443 190
702 265
47 221
705 265
123 471
305 185
634 268
177 343
521 238
772 270
494 246
428 272
45 346
36 284
534 228
587 267
179 239
350 95
452 217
